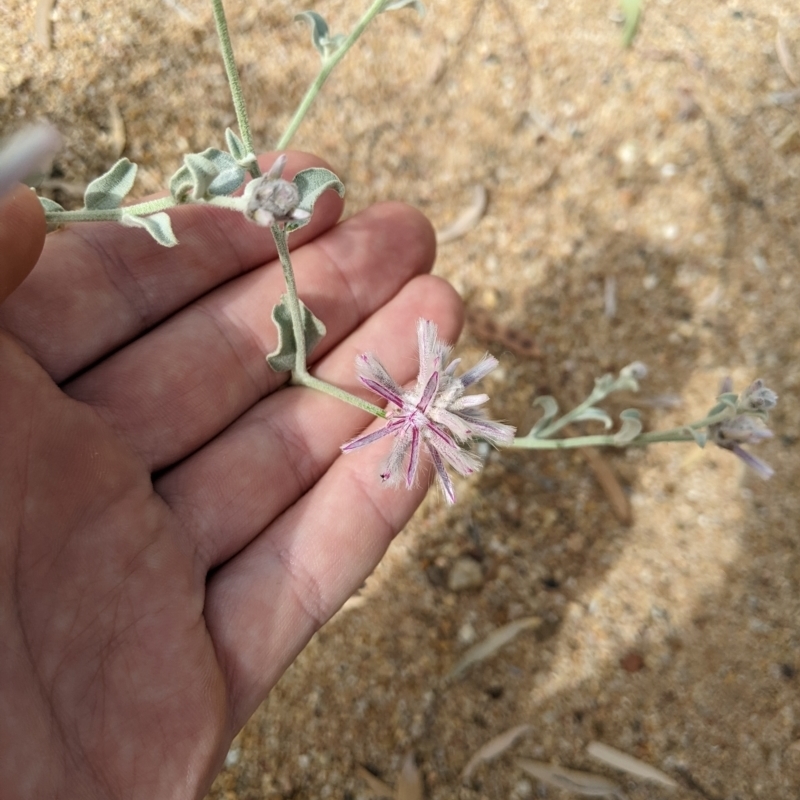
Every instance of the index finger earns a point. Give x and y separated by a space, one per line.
100 285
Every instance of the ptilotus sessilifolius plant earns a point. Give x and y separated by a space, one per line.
435 419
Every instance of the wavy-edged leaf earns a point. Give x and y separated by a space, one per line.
492 643
396 5
212 173
325 44
312 183
109 190
596 415
50 205
631 426
550 408
231 173
282 358
203 171
157 225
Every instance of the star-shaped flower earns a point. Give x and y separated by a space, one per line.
435 415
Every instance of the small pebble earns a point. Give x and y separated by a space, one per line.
632 662
465 574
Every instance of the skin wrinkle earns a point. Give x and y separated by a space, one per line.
224 331
113 265
305 588
341 276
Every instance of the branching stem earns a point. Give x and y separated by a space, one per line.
233 81
327 67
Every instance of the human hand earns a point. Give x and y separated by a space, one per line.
175 521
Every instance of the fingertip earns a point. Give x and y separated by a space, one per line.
22 233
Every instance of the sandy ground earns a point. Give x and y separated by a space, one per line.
669 173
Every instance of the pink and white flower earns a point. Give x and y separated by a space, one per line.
435 415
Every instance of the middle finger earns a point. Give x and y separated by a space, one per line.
174 389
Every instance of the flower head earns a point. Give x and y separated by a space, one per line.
746 424
271 200
435 415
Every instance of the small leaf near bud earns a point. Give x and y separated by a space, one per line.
282 359
108 191
757 397
396 5
157 225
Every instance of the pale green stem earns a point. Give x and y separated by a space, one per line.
681 434
137 210
327 67
301 374
233 81
562 422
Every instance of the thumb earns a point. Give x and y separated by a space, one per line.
22 232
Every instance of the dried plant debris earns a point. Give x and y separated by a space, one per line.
585 784
492 643
493 748
467 220
633 766
375 786
409 782
786 59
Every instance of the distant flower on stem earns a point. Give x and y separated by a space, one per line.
434 415
270 200
743 429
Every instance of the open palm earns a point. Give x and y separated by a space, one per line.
175 521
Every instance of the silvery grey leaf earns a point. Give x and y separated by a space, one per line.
157 225
586 784
312 183
50 205
203 172
596 414
631 426
282 358
396 5
633 766
235 146
550 408
180 184
324 43
108 190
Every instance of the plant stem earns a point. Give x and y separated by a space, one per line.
300 374
137 210
681 434
233 81
327 68
311 382
109 214
601 440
